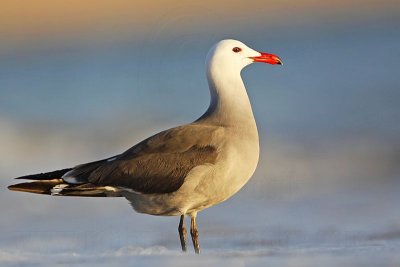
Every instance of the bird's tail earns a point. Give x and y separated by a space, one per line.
50 183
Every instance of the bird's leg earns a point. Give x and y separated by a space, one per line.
182 232
194 233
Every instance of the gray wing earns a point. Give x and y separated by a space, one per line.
158 164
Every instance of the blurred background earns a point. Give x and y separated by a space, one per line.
84 80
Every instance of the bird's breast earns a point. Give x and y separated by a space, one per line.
236 163
243 161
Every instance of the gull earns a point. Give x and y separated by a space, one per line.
182 170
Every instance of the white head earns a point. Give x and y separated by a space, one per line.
231 56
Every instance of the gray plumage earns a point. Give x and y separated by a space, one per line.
158 164
183 170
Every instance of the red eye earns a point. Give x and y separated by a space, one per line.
236 49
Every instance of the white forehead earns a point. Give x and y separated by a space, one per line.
222 54
229 44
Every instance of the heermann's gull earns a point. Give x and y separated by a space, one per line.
185 169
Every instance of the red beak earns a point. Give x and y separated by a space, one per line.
267 58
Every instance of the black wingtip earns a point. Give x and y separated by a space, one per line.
45 176
37 187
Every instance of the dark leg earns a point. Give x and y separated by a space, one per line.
194 233
182 232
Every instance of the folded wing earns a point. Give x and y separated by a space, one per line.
158 164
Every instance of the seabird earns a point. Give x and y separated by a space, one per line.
185 169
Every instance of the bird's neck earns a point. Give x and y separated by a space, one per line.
230 104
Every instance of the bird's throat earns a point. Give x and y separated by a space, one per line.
229 104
